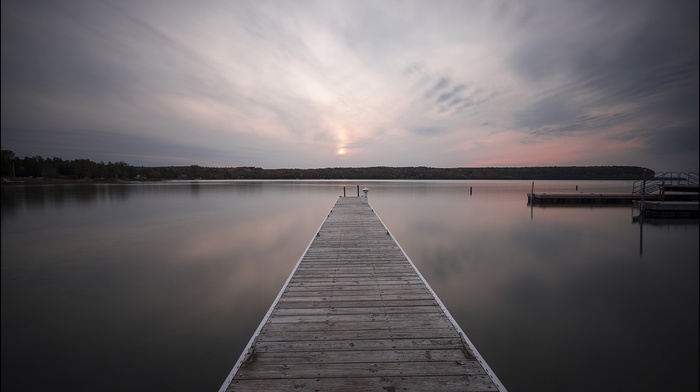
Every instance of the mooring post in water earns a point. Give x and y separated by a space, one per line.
532 194
365 190
470 191
644 189
358 191
343 191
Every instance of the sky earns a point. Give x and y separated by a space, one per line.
311 84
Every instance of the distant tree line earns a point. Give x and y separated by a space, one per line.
13 166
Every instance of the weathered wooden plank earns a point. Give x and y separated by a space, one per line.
358 270
355 304
330 326
325 280
353 283
403 333
378 369
361 345
414 310
339 298
465 383
355 276
355 290
369 290
354 318
366 356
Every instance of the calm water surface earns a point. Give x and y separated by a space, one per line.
147 287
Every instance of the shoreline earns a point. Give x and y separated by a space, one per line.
62 181
16 181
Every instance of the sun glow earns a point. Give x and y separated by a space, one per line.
341 142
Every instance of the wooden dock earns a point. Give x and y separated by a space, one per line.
670 209
602 198
356 315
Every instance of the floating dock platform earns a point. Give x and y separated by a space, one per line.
669 209
603 198
356 315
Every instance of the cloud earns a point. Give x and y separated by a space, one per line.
289 84
628 72
428 130
439 86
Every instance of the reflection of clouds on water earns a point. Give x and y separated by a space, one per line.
181 281
164 275
568 284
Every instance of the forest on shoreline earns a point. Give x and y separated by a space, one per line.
58 169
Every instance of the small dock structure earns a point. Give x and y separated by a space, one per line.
356 315
681 189
669 210
602 198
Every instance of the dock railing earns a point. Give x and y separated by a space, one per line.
658 181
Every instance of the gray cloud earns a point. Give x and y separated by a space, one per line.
275 83
437 87
428 130
643 57
451 95
448 97
548 111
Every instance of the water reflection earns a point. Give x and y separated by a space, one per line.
563 288
641 220
57 196
163 284
162 288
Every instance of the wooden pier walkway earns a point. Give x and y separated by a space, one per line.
356 315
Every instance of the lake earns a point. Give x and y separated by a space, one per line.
159 286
